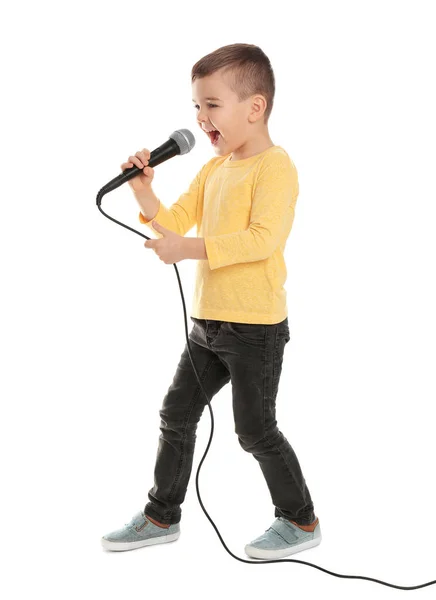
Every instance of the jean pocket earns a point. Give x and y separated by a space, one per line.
287 335
248 333
283 330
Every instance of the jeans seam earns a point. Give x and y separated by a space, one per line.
185 426
274 348
265 379
283 457
265 437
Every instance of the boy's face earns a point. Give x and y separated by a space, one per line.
230 117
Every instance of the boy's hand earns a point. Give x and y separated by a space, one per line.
170 248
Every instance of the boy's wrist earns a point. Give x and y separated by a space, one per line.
195 248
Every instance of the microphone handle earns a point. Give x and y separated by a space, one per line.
169 149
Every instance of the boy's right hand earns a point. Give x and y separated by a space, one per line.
142 181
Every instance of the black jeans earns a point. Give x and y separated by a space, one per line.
250 355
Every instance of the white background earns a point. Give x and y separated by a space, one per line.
92 324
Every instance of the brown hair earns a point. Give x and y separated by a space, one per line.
248 68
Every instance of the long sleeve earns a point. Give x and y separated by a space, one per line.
271 218
182 215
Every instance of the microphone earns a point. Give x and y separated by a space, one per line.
180 142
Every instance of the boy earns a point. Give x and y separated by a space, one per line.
243 203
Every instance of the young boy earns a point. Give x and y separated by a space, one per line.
243 203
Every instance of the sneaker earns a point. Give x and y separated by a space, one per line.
141 531
283 538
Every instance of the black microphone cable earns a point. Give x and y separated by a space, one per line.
100 195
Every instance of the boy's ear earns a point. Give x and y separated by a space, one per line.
258 107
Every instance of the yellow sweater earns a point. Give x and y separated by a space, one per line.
244 210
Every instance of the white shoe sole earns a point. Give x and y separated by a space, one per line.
120 546
281 553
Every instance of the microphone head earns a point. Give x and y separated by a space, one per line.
184 139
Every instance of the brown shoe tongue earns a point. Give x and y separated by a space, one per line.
157 522
310 527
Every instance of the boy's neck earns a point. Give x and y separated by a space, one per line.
251 147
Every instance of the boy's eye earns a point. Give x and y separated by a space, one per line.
210 105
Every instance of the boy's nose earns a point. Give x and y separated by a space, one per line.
204 124
200 117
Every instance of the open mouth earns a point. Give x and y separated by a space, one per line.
214 136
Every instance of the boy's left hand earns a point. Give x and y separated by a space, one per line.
170 248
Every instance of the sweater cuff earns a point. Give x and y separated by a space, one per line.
143 220
212 253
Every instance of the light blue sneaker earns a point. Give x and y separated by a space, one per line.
282 539
140 532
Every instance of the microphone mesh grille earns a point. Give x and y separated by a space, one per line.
184 139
